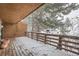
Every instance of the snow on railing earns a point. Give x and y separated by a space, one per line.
66 42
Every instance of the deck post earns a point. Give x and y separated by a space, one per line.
25 33
32 35
45 39
28 34
60 43
37 36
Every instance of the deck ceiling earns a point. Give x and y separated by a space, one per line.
15 12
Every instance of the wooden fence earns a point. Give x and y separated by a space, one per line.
68 43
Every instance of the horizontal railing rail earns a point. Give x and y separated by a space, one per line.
66 42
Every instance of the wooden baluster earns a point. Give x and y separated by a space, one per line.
60 43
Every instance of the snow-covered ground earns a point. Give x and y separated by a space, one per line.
41 49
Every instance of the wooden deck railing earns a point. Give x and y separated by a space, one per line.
68 43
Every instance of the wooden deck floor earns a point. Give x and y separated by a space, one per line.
14 50
24 46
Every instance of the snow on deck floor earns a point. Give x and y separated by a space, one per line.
40 49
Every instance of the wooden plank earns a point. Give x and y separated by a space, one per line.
17 53
71 46
71 42
18 48
14 52
3 52
13 49
52 41
52 38
70 51
41 38
63 36
52 44
26 51
10 48
20 51
23 49
7 51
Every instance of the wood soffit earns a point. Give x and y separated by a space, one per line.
15 12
